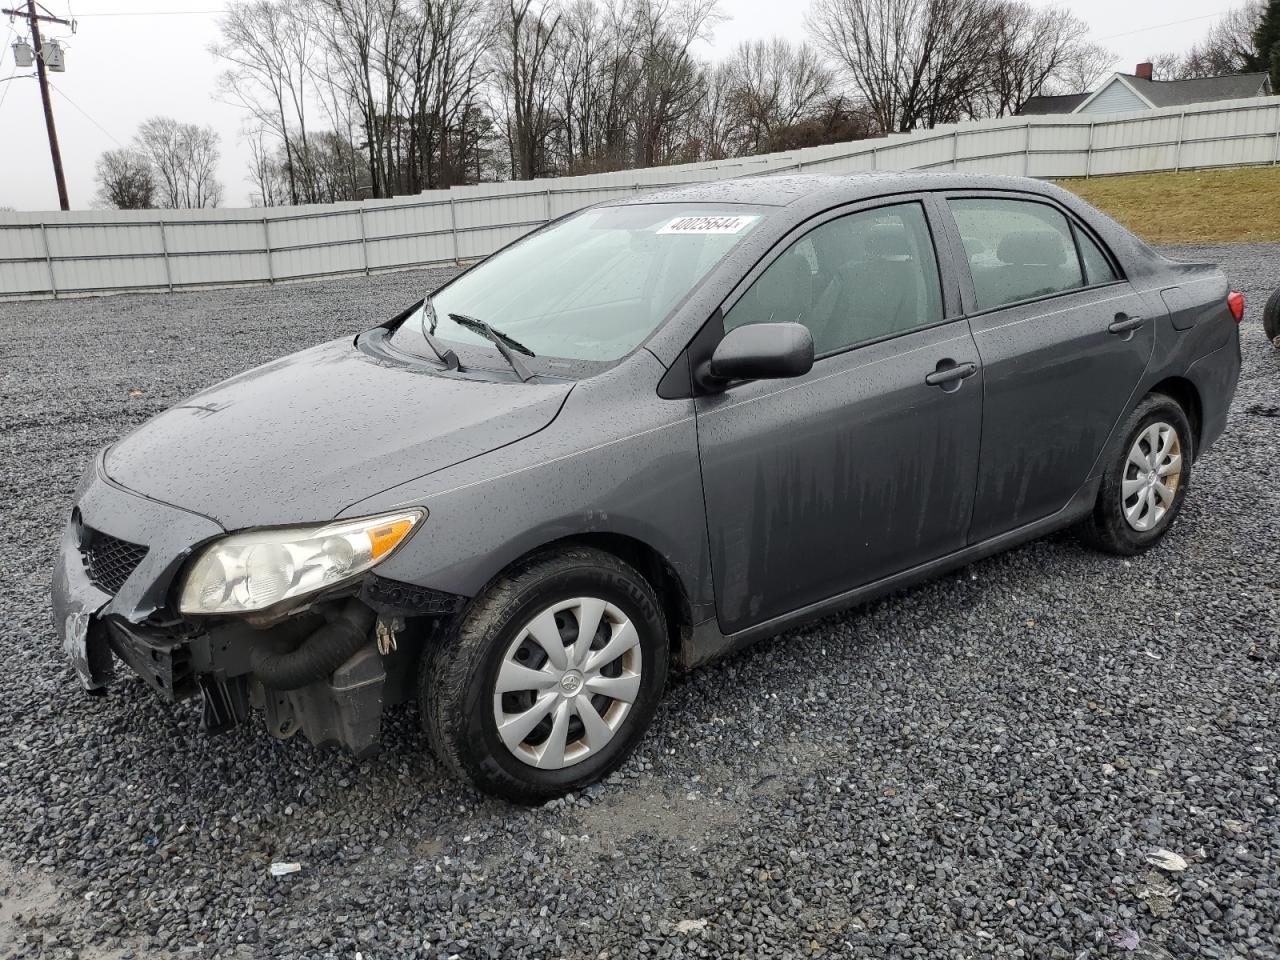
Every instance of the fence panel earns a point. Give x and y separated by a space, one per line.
108 251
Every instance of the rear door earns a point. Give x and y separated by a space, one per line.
1064 340
866 465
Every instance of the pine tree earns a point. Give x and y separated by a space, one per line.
1266 41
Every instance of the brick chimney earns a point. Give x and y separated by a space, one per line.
1143 71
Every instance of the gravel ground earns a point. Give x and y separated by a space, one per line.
976 767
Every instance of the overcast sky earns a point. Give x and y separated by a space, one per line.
125 64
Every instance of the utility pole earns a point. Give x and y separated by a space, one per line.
34 19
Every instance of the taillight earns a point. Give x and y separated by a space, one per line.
1235 303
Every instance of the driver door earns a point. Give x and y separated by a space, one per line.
865 466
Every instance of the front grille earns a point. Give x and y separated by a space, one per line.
109 560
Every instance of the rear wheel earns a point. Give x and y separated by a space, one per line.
1144 486
1271 318
549 677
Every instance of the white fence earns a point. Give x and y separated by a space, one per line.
106 251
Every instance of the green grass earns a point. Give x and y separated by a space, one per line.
1194 206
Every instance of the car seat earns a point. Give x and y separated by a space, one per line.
1031 263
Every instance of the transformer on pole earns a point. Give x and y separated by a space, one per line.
48 56
54 56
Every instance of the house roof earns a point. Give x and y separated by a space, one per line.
1172 93
1159 93
1064 103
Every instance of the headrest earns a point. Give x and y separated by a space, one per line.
886 240
1032 248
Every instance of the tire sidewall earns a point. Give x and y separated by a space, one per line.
489 757
1271 317
1156 409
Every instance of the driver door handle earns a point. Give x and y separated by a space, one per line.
944 375
1123 323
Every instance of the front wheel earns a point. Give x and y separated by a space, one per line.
549 677
1143 489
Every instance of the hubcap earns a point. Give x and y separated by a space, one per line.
1152 473
567 682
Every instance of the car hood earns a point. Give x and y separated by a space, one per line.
299 439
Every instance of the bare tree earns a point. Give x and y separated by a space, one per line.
772 85
1227 48
184 158
266 174
523 66
357 46
670 89
1082 73
577 53
923 62
271 55
124 179
400 84
913 61
1034 51
716 128
442 91
415 94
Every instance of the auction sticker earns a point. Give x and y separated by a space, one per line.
708 224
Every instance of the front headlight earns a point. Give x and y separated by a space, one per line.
252 571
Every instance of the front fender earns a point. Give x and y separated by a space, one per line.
618 459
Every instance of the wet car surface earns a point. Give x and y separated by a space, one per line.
644 436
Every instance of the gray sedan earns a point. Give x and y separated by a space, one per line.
643 436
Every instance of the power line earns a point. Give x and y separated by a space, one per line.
149 13
5 91
1171 23
85 114
12 76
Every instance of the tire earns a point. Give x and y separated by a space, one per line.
1271 318
491 639
1107 528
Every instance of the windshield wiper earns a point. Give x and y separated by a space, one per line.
504 343
447 357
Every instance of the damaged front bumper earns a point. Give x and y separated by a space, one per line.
119 556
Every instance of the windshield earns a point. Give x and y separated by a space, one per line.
592 287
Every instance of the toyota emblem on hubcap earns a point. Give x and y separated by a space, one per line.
570 683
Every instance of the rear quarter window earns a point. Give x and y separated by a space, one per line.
1097 268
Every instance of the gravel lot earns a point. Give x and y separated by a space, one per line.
976 767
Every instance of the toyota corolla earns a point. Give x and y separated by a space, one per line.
645 435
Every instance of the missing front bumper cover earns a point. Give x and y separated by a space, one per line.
343 708
163 661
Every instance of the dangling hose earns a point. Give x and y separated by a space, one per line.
319 654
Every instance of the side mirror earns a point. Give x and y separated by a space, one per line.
760 351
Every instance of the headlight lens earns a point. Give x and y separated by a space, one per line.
252 571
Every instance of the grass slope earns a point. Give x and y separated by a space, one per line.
1194 206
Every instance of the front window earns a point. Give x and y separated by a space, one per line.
856 278
592 287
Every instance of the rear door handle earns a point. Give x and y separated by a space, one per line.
950 374
1123 323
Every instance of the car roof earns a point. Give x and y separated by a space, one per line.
782 190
